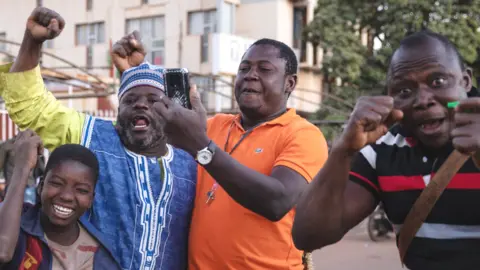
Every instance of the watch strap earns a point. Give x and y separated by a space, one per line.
211 147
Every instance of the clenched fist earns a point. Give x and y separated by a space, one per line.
128 52
27 147
44 24
369 120
466 134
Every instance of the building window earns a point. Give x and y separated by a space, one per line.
206 88
39 3
89 5
88 34
144 2
228 18
202 22
89 57
152 31
48 44
204 48
299 23
3 45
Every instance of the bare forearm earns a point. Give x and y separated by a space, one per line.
11 211
3 155
5 150
319 212
253 190
28 56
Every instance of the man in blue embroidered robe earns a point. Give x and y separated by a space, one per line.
145 192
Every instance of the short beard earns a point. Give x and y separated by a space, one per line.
155 137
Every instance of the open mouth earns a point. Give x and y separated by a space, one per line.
62 212
250 91
140 123
431 126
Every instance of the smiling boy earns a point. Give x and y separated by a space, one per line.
52 234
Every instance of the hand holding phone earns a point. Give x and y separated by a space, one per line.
177 86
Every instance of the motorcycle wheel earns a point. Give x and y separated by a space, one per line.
374 228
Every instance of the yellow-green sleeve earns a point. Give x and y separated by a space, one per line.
30 105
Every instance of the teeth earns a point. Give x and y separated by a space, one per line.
62 210
140 126
433 123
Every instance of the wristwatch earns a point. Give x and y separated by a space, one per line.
205 156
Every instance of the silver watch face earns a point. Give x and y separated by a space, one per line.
204 157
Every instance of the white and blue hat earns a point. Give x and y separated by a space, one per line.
144 74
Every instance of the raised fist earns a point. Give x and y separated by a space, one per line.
466 134
128 52
369 121
44 24
27 147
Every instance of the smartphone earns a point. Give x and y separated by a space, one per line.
177 86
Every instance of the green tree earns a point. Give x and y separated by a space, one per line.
346 30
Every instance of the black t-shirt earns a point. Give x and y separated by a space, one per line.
396 170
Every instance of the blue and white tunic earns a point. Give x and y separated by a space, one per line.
143 205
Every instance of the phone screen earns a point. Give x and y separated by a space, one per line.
178 88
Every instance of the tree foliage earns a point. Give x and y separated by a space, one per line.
346 31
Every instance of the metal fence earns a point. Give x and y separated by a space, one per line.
9 129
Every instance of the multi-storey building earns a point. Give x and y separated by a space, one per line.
208 37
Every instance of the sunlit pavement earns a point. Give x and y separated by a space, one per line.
357 252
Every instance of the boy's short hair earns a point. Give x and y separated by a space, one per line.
73 152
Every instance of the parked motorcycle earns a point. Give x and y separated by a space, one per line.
378 225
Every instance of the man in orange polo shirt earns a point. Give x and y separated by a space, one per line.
253 166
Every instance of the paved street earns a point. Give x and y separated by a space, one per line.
357 252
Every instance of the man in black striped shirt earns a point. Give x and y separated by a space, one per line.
368 164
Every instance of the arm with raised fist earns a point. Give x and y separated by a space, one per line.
30 105
332 205
27 148
128 52
43 24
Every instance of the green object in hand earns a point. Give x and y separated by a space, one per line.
452 104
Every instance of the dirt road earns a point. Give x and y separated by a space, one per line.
357 252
